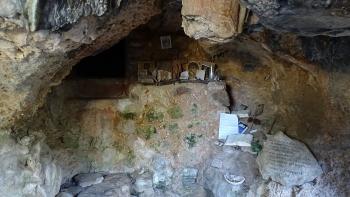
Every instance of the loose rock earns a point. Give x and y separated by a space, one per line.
85 180
116 185
162 172
64 194
287 161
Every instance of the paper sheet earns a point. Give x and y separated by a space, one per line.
228 125
239 140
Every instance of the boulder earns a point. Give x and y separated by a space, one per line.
86 180
143 183
9 8
216 20
74 190
162 172
287 161
116 185
234 162
64 194
27 168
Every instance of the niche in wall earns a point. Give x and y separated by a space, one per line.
110 63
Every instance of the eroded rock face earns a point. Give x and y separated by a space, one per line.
148 129
27 167
32 62
307 18
118 185
212 19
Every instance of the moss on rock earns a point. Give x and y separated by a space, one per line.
175 112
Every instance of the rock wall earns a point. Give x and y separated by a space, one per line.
126 131
118 127
215 20
306 18
296 83
27 166
302 84
299 97
32 62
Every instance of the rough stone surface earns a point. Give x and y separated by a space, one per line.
144 184
116 185
163 172
9 8
27 167
216 20
307 18
33 62
287 161
64 194
301 81
189 177
73 190
92 140
86 180
235 162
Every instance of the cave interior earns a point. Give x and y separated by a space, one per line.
168 98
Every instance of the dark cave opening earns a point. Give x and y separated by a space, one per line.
110 63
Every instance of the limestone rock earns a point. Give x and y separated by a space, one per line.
27 170
88 179
9 8
307 18
287 161
234 162
116 185
90 144
33 62
221 97
74 190
162 172
143 183
64 194
216 20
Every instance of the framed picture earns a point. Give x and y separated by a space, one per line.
165 42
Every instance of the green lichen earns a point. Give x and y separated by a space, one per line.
173 127
192 139
156 146
175 112
193 123
194 109
128 115
153 115
146 132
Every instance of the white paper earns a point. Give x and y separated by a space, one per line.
242 113
239 140
228 125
